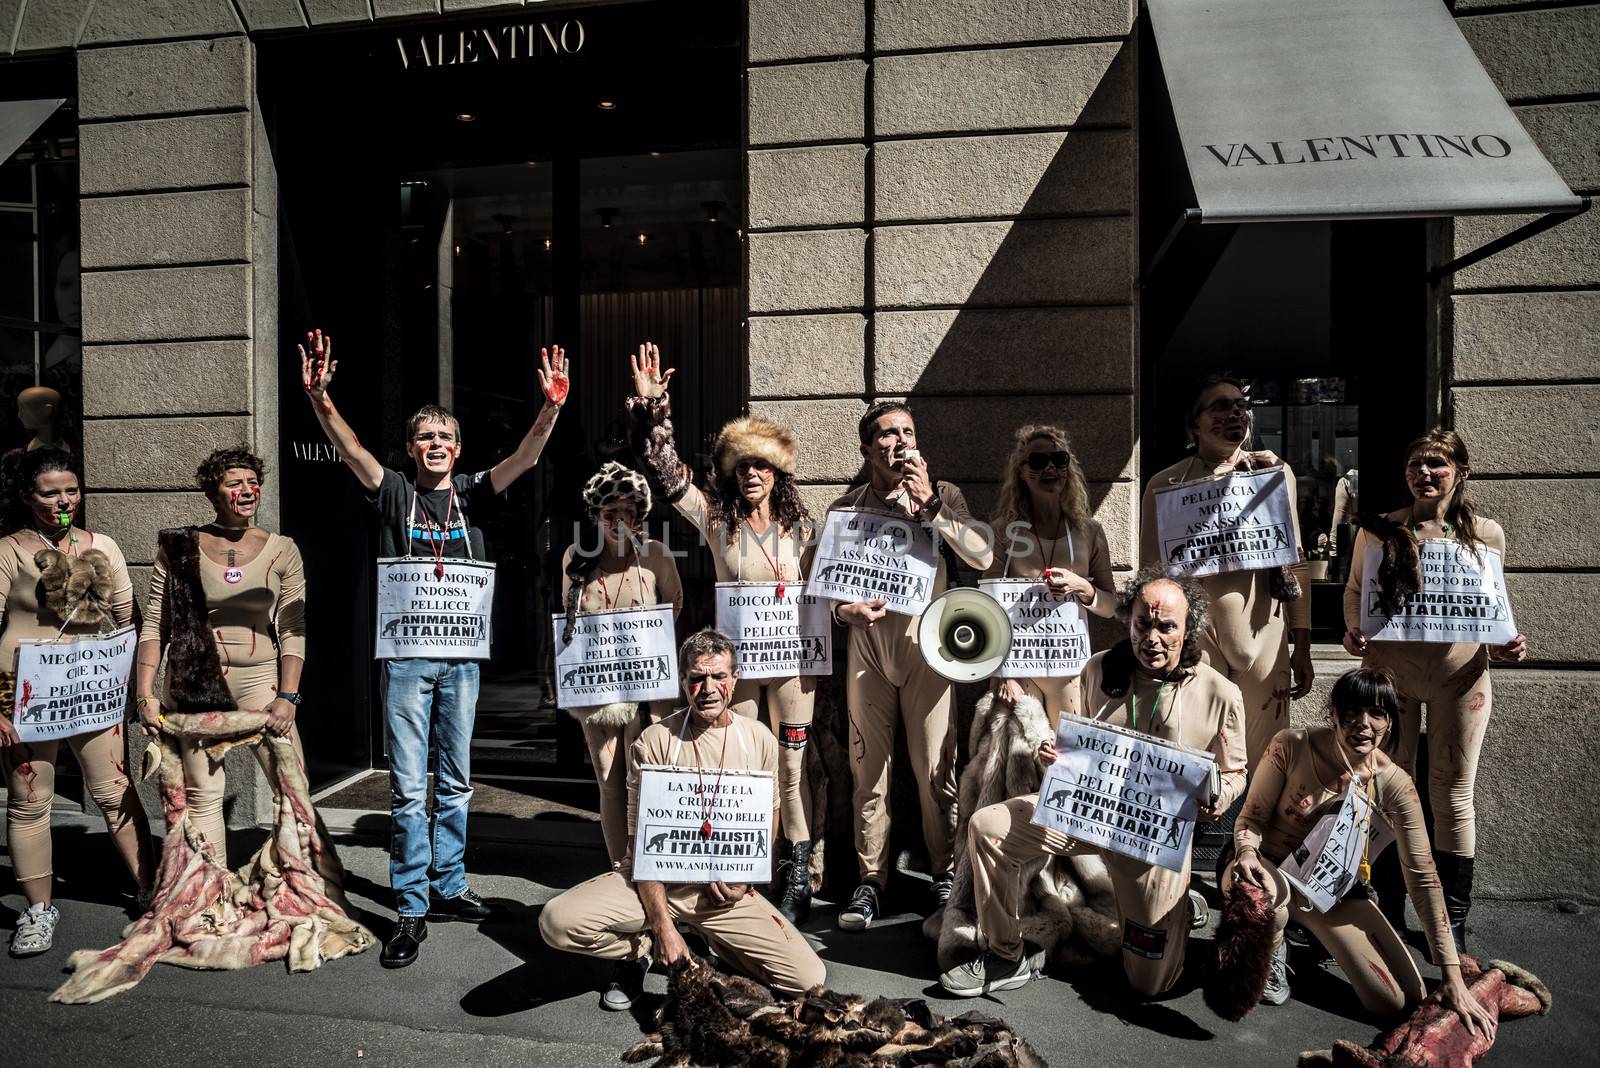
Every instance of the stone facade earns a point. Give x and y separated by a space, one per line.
935 186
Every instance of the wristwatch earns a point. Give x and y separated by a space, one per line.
292 696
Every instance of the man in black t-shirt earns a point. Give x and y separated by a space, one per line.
432 516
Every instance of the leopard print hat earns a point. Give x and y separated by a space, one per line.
613 482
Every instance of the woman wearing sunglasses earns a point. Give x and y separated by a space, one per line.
756 527
1043 521
1253 613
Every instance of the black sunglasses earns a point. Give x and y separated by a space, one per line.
1038 461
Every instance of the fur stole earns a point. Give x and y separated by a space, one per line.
1069 910
1400 566
1238 975
618 714
77 589
194 670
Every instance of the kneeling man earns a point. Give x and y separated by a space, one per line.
1153 682
615 918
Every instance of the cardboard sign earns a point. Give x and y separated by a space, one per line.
777 637
1124 791
1461 600
670 843
72 686
427 617
1239 521
865 555
1049 632
620 654
1328 862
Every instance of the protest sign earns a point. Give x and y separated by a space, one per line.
620 654
422 614
75 686
1240 521
699 826
777 637
864 555
1124 791
1049 632
1462 599
1328 862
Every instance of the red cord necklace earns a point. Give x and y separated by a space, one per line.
777 569
699 770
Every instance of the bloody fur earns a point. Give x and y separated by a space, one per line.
712 1018
1436 1037
275 907
1245 933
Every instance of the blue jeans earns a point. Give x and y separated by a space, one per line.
428 710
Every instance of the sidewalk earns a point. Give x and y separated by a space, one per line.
495 995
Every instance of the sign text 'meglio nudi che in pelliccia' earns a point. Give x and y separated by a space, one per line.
1357 147
491 44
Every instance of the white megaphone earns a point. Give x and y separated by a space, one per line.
964 635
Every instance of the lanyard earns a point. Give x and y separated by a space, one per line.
1133 706
436 543
777 568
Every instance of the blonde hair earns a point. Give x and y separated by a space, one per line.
1016 503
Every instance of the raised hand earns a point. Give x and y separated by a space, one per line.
649 381
317 366
553 378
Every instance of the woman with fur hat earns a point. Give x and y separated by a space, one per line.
59 579
1043 518
623 571
756 527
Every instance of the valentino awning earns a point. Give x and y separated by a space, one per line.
1310 109
20 118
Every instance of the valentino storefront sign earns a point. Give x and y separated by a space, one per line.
513 41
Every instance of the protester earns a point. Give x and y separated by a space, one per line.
1451 678
615 918
1303 778
755 524
429 705
1254 613
626 571
32 584
888 682
1155 682
1043 519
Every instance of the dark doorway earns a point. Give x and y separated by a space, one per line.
443 220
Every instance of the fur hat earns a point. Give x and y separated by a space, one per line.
749 438
612 483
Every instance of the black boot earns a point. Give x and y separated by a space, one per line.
795 904
1455 874
1390 884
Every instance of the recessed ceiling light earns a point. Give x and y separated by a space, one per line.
466 116
608 105
532 163
654 154
643 238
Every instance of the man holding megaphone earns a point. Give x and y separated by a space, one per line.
894 568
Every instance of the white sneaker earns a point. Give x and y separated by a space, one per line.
36 930
1199 912
1277 990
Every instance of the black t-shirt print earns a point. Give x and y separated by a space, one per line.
474 494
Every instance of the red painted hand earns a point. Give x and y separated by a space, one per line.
553 379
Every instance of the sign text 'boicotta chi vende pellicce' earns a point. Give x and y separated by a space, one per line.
700 826
619 654
424 614
1462 599
1240 521
865 555
1124 791
777 637
72 686
1049 632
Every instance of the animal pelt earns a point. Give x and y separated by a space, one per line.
1399 564
616 715
1069 910
194 670
77 589
1434 1036
747 438
286 903
1243 959
712 1019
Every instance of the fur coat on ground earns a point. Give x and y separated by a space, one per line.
1069 911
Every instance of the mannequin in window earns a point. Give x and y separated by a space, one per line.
39 412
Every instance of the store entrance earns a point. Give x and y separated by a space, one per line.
443 221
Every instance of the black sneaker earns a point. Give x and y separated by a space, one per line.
863 908
466 907
627 983
401 949
939 889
